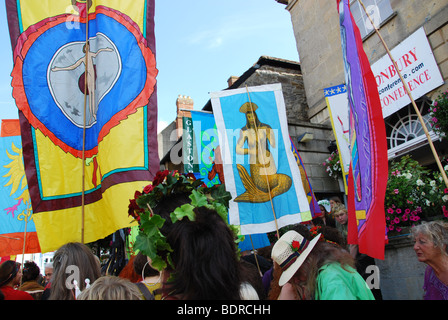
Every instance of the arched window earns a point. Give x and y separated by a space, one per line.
404 130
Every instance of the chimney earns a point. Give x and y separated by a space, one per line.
232 80
183 103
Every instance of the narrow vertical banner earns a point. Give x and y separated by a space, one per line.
368 171
259 167
337 104
314 207
188 146
50 79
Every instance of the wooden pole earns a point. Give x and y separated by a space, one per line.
255 255
24 236
264 162
405 85
84 126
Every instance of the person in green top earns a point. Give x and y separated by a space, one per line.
317 270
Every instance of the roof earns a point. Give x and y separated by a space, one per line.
264 60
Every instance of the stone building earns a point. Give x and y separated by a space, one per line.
317 33
409 28
269 70
169 139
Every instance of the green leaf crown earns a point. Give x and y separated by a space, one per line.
150 241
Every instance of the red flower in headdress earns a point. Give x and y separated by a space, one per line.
160 177
148 188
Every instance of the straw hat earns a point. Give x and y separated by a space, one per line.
290 251
248 106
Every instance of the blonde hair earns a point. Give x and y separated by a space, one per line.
339 207
436 231
111 288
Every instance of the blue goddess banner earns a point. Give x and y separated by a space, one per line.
259 167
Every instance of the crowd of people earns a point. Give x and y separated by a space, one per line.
202 261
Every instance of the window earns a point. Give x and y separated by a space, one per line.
379 11
404 130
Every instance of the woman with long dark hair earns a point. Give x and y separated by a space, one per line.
10 277
204 259
196 246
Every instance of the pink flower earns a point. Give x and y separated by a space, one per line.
434 119
397 220
435 103
391 228
398 210
396 191
404 218
398 229
390 210
407 211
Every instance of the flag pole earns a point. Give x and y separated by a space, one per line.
265 170
24 236
84 126
405 85
255 255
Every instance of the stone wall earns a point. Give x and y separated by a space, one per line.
292 86
401 274
316 29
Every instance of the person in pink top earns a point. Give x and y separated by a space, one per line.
431 247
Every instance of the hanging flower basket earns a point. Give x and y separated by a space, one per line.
333 166
414 194
439 115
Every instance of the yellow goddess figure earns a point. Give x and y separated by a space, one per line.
263 183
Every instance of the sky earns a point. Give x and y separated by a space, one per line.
199 45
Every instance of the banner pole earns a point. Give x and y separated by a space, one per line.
255 255
425 129
24 238
267 179
84 125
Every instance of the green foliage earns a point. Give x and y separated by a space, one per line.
413 193
150 241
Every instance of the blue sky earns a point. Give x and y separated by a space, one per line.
199 45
